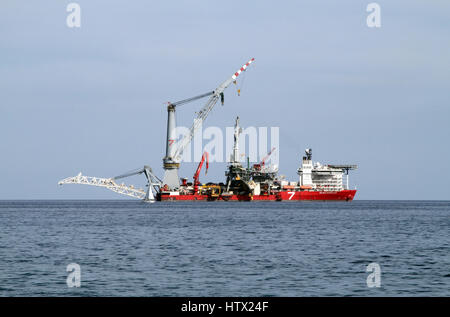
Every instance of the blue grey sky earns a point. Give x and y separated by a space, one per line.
91 99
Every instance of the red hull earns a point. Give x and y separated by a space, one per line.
344 195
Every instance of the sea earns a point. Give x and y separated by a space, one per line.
132 248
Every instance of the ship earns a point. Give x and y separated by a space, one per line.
258 182
261 182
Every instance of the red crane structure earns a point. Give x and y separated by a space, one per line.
258 166
205 156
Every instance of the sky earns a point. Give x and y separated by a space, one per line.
91 99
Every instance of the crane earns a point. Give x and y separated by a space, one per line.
205 156
153 183
263 161
174 150
203 113
261 164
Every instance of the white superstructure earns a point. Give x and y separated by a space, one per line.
315 176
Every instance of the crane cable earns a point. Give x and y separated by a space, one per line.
241 84
129 173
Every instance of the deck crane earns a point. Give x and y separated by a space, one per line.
205 157
153 183
261 164
263 161
174 149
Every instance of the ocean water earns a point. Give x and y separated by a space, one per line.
130 248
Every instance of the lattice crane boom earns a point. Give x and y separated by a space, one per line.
108 183
153 183
204 112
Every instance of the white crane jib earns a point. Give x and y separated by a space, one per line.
153 183
174 150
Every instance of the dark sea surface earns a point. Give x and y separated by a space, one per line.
131 248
